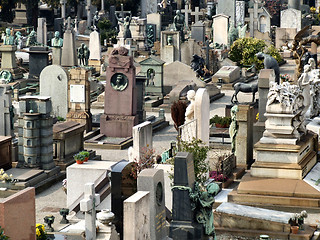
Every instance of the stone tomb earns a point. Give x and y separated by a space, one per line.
136 216
95 50
38 60
120 108
67 141
291 18
142 140
152 68
220 28
170 49
228 74
54 82
6 110
123 186
18 214
152 180
79 97
198 31
5 152
183 225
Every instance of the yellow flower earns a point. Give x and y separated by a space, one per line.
257 116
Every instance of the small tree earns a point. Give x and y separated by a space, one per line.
178 110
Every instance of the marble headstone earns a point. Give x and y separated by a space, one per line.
198 31
220 28
95 46
291 18
54 82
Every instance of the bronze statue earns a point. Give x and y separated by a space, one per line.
8 39
178 23
83 54
126 26
56 41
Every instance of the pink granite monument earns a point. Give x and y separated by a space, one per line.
120 103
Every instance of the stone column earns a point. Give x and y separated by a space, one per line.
265 77
244 146
63 9
88 8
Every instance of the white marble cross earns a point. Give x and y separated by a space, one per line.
186 12
88 205
196 14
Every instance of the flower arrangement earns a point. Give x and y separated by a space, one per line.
79 158
2 235
40 232
86 155
285 77
222 122
4 177
313 9
218 176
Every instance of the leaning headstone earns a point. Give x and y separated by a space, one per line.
42 31
142 139
123 186
202 114
6 110
136 216
54 77
69 56
220 28
152 180
291 18
198 31
88 205
183 225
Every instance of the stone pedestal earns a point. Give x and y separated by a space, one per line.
244 148
5 152
285 161
56 55
120 108
96 64
170 46
8 61
38 60
79 97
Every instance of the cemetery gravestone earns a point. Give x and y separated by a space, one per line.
183 225
201 113
136 219
155 18
228 74
79 97
152 180
123 186
68 55
284 35
38 60
88 205
291 18
142 140
6 110
54 77
170 46
95 50
220 28
151 34
240 13
198 31
227 8
42 31
120 108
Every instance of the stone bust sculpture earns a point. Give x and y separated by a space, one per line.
189 115
56 41
8 39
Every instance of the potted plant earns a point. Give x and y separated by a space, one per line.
220 122
79 158
86 155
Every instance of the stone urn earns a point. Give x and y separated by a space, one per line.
105 217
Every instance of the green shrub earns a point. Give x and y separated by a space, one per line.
220 120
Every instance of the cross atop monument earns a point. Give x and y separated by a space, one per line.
186 12
88 205
196 14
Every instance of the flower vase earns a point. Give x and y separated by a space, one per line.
86 159
79 161
294 229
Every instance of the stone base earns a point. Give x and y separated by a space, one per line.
258 129
96 64
81 117
117 125
275 191
102 142
285 161
185 230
